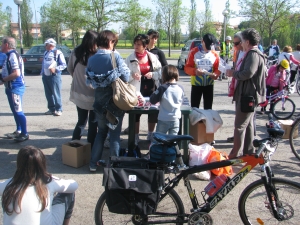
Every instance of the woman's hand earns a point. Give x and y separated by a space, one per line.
148 75
229 73
136 76
199 72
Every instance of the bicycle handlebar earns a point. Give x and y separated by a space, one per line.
261 146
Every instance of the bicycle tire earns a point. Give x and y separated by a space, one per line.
171 203
287 112
298 85
254 206
294 139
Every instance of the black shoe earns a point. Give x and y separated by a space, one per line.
21 137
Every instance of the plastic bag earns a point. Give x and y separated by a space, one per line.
204 175
199 154
216 156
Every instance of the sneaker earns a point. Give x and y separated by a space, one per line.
213 142
21 137
106 143
137 139
13 135
182 167
126 130
93 169
57 113
149 136
49 112
220 78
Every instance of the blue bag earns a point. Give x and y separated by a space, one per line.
162 153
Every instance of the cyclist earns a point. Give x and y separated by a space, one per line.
295 68
273 50
276 80
226 48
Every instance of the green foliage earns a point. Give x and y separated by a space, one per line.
195 34
26 18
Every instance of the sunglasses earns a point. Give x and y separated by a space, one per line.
236 43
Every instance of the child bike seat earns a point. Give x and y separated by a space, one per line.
170 139
275 132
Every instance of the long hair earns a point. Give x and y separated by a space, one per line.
87 47
31 170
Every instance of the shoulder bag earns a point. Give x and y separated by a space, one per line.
124 94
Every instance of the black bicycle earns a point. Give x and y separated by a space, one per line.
268 200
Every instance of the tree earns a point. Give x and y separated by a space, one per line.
8 21
26 17
192 18
134 16
269 16
171 11
4 20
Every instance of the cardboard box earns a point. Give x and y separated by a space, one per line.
286 125
76 153
198 132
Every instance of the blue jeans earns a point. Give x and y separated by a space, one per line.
52 86
170 127
114 139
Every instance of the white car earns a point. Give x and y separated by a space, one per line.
190 44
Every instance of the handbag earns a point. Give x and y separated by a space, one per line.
124 94
247 103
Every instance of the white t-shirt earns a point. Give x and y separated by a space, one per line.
31 206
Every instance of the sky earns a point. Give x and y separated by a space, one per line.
217 7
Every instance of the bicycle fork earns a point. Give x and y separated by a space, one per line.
272 202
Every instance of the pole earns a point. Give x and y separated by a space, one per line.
224 27
36 32
20 29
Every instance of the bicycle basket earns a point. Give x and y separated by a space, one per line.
132 191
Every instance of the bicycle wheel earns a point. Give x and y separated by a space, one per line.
298 85
295 139
283 112
169 208
254 206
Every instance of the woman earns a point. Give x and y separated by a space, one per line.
145 75
28 197
250 79
198 63
287 54
295 67
100 76
81 94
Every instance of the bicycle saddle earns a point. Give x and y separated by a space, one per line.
275 132
170 139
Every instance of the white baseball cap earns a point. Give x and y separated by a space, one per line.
228 38
50 41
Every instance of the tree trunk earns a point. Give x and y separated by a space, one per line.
169 33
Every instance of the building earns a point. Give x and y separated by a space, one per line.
35 29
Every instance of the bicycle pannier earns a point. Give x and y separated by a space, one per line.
132 191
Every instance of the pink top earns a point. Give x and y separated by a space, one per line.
276 79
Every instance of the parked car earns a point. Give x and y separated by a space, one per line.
190 44
185 51
33 58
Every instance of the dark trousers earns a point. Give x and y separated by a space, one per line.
84 116
208 95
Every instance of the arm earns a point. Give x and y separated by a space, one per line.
162 58
216 67
294 60
190 68
61 62
70 67
64 186
15 72
128 63
3 185
122 68
282 79
156 96
156 73
250 65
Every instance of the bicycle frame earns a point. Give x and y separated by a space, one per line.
211 202
281 94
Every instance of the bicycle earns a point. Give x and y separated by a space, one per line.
282 106
294 138
266 201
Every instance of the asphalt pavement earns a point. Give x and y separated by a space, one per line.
50 132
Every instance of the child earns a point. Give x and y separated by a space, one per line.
276 79
170 95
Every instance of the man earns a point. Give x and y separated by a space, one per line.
2 59
226 47
13 79
273 50
53 64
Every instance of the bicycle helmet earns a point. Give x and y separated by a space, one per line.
284 63
228 38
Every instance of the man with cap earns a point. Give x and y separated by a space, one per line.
226 47
13 79
53 64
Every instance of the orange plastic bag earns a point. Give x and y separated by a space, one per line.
215 156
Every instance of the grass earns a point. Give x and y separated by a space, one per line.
173 56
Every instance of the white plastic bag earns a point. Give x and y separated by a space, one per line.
204 175
199 154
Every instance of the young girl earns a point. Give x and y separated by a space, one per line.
170 95
28 197
276 79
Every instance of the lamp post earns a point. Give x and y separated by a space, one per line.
19 3
225 13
